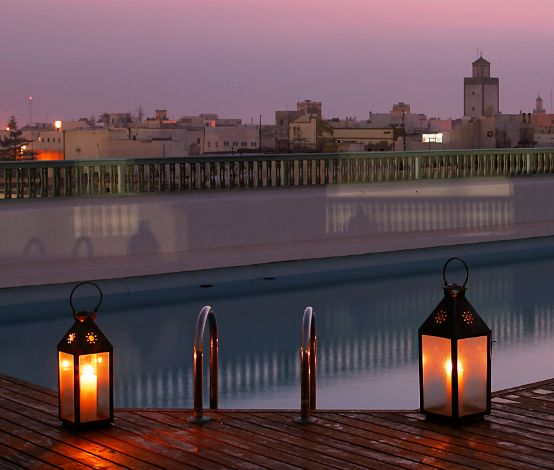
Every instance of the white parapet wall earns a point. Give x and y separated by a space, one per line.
67 240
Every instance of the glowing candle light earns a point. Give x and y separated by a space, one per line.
460 388
89 390
448 368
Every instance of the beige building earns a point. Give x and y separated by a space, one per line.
311 134
129 143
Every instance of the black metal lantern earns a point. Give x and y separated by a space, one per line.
85 364
455 359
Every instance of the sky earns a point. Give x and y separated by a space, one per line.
246 58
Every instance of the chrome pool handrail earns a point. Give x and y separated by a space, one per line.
308 354
206 313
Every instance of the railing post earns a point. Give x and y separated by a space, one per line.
286 170
308 355
205 314
529 164
121 178
418 167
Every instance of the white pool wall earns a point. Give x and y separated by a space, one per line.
68 240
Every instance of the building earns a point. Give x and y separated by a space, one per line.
481 91
313 108
400 108
121 120
312 134
283 118
161 115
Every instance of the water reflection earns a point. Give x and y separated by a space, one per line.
367 334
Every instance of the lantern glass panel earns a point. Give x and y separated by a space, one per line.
94 382
472 375
67 393
437 374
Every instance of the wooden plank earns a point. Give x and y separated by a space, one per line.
39 395
28 385
6 465
217 446
438 436
261 441
40 448
21 453
519 434
300 439
514 390
373 453
475 438
180 451
443 454
94 442
29 402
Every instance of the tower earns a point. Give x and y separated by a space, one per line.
481 91
539 109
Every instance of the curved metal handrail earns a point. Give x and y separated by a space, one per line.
206 313
308 354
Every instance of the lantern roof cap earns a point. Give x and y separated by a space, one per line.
454 317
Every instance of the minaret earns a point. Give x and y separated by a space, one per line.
481 91
539 109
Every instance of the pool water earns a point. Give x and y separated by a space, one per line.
368 309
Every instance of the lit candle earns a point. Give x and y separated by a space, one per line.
448 368
89 388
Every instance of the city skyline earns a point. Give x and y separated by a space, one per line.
241 59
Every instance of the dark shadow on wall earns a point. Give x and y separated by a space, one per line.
144 241
361 223
82 248
34 250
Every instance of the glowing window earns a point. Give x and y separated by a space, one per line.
432 138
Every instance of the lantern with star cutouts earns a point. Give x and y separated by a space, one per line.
455 359
85 364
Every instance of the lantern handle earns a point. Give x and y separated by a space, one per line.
444 271
79 285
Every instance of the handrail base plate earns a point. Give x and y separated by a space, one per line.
305 421
203 419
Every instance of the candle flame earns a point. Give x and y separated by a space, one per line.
449 368
65 364
88 370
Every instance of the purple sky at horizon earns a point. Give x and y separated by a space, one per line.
241 58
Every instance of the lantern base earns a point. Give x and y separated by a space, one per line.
90 426
451 420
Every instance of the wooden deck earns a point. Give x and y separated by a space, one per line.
518 435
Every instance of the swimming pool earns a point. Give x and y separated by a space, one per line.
368 310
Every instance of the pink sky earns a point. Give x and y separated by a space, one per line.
245 58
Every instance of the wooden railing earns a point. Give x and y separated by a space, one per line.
137 176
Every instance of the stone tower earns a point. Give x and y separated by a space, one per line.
481 91
539 109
